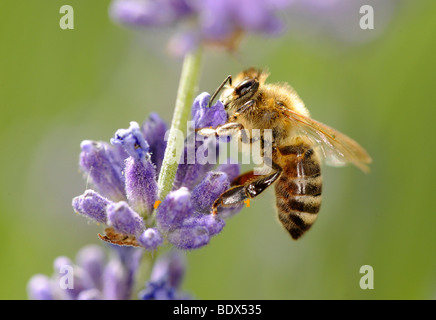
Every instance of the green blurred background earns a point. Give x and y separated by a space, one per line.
59 87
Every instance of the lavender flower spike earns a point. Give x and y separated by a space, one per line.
182 218
221 19
140 173
97 161
217 22
92 277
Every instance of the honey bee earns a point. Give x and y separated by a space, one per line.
299 143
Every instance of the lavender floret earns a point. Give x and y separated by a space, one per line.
140 173
150 239
92 205
208 190
203 116
40 287
176 207
188 238
123 219
154 128
98 163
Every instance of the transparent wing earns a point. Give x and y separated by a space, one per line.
336 147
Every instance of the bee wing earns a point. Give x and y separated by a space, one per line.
337 148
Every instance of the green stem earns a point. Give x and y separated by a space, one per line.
185 94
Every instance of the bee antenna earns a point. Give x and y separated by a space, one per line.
229 79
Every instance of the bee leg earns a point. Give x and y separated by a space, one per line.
239 193
227 129
243 178
244 107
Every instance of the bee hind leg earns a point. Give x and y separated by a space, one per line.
250 187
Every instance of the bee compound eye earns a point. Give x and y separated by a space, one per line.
245 86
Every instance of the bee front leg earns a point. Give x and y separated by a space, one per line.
227 129
253 186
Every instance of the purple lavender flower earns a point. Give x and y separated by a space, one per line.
219 22
154 128
183 218
232 170
92 276
176 207
207 117
123 219
212 223
98 162
129 161
220 19
215 183
223 22
92 205
188 174
140 173
41 287
150 239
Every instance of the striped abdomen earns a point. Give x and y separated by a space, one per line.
298 190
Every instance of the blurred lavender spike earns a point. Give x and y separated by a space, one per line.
41 287
166 278
217 22
92 260
149 13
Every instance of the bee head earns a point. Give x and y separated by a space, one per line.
246 88
241 89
